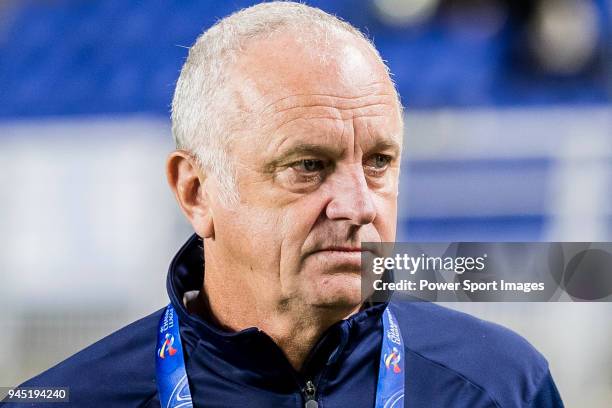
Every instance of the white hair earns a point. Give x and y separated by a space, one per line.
202 117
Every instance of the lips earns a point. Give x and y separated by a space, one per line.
341 257
374 250
341 249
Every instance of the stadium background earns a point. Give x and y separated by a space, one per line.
509 138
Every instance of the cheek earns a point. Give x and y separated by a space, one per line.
386 218
268 238
250 236
265 230
299 219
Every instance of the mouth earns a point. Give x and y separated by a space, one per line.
357 250
342 249
341 257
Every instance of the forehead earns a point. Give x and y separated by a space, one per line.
287 81
287 63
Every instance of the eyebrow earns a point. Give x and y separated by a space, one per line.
388 145
317 150
304 149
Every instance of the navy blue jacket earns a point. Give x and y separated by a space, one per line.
451 360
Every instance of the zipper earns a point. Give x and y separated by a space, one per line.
310 395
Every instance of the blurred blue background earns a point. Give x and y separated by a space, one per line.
508 138
89 57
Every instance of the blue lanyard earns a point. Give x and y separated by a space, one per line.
170 363
172 377
390 387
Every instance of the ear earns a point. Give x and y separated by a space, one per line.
188 183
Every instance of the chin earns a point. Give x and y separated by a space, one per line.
338 290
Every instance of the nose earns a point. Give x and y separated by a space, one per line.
351 198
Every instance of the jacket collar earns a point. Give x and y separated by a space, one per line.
186 273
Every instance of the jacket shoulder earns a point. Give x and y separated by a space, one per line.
118 369
489 356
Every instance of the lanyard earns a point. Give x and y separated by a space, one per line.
172 377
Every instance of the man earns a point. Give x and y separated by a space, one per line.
289 131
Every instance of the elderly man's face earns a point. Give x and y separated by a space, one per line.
317 169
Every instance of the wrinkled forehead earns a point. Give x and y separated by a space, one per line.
284 69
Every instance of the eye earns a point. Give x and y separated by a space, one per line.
309 165
381 160
378 161
307 172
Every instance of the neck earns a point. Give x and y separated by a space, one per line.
294 328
